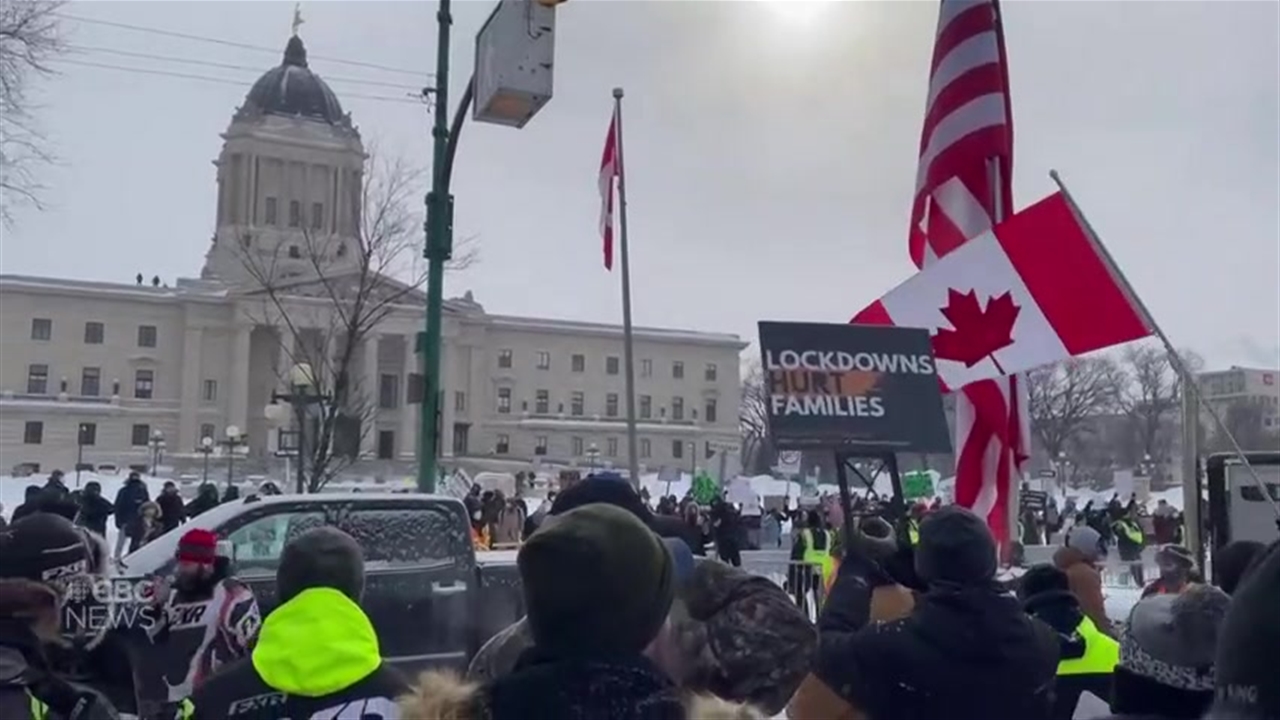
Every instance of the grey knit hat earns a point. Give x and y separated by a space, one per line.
321 557
1172 639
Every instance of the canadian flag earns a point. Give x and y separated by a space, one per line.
1032 291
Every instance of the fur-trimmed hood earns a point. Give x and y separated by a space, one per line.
445 696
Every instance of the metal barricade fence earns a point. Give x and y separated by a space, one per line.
802 580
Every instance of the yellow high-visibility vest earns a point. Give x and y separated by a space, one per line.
1101 653
821 558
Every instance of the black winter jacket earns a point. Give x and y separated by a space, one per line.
961 654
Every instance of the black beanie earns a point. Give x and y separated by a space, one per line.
1247 642
597 583
610 491
955 547
321 557
1040 579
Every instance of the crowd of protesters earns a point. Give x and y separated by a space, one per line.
138 518
625 620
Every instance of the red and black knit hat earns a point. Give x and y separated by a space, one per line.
198 546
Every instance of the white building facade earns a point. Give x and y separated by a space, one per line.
107 373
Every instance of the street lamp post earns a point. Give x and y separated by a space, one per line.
205 448
300 398
79 451
234 439
157 448
593 454
439 245
693 459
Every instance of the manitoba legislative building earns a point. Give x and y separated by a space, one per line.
142 372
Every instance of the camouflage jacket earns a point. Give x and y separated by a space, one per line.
740 637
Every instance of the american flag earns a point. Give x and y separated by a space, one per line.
610 168
963 186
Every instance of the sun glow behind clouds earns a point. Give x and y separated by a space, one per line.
795 15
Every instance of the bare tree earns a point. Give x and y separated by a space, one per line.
753 419
1151 400
327 296
1064 399
29 39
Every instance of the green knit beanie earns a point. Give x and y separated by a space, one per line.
597 582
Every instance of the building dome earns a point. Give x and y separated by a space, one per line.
292 89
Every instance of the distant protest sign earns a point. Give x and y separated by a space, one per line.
852 387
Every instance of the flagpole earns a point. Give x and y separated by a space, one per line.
999 213
1184 375
628 347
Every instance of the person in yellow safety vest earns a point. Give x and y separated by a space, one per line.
1087 656
913 522
811 548
1129 542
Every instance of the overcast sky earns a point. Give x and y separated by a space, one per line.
771 149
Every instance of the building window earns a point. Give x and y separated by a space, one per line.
504 401
677 449
578 363
93 332
544 360
611 447
269 212
207 431
91 381
459 401
295 253
140 435
502 445
41 328
540 445
504 358
611 365
317 216
342 249
461 438
677 408
37 379
295 214
542 402
147 336
710 373
33 432
88 433
144 382
646 449
646 368
611 405
577 401
710 452
709 411
646 407
388 391
677 370
577 447
209 393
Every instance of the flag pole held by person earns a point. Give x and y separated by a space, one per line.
1185 376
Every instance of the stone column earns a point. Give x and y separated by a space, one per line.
238 381
407 443
192 380
368 397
